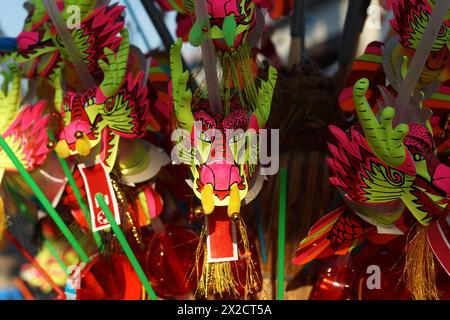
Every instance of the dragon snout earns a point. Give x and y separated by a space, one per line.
221 179
79 145
234 205
83 144
62 149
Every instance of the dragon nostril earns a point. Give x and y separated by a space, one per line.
78 134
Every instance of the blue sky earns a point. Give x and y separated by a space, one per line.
12 16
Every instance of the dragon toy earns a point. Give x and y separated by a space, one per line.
222 153
95 122
387 65
386 172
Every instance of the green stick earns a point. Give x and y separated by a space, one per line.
126 247
44 201
281 233
77 193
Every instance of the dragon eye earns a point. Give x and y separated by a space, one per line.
418 157
78 135
89 102
51 145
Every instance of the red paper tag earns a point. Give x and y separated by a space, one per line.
96 179
221 236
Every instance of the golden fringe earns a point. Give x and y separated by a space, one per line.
237 70
252 277
419 273
218 278
128 222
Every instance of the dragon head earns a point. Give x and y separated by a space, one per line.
407 151
410 21
118 107
221 160
222 150
224 155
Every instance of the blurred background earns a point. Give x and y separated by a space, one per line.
324 25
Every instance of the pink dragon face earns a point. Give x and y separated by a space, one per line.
222 154
421 145
79 125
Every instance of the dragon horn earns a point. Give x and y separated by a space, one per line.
266 90
366 117
14 94
182 98
117 68
385 141
122 56
229 30
56 81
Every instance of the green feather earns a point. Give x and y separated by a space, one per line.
229 30
197 35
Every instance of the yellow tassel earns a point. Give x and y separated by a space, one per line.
218 278
130 223
419 273
252 277
237 70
